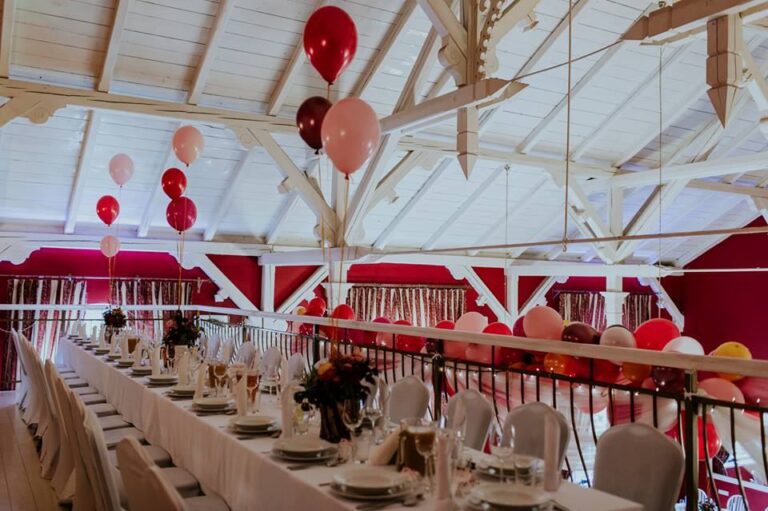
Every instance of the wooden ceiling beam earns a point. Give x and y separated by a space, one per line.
6 36
113 47
87 146
215 33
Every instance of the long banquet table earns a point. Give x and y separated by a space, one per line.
242 471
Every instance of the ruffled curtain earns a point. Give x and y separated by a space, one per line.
150 292
589 307
420 305
44 327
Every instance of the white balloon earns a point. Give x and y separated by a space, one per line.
686 345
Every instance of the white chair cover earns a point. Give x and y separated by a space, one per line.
624 452
528 421
213 346
470 412
295 367
64 476
107 475
246 353
270 363
142 490
227 349
408 398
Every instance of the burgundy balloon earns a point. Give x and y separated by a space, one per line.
517 328
330 41
581 333
669 379
309 120
181 213
107 209
174 183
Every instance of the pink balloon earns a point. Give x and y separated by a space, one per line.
109 245
686 345
721 389
481 353
350 134
618 336
543 322
471 322
188 144
121 168
455 349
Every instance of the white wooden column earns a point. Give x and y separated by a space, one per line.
512 294
337 287
268 293
614 301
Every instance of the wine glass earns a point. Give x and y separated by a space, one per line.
352 415
252 377
502 448
219 372
424 436
373 411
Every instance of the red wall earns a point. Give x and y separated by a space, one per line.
721 307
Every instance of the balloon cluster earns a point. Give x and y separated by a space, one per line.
349 131
107 207
181 213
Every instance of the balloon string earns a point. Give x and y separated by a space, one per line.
181 259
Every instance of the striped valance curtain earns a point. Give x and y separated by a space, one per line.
420 305
589 307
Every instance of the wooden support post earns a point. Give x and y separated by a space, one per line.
614 301
724 63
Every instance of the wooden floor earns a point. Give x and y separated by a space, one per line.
21 487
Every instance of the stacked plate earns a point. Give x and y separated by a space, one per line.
370 483
102 351
254 425
496 469
141 371
113 356
302 448
212 405
182 391
162 379
125 362
510 497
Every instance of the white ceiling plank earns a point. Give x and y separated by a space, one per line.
83 166
6 36
229 193
632 99
113 47
216 33
384 49
306 191
386 186
150 208
433 178
283 214
465 206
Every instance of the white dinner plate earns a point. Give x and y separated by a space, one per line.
113 356
302 445
141 370
124 362
183 390
510 496
101 351
253 422
212 403
341 492
370 480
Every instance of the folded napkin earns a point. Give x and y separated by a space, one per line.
287 405
443 473
102 337
552 478
94 330
383 397
241 397
202 372
383 454
81 331
226 351
256 362
154 360
285 377
124 346
182 368
137 352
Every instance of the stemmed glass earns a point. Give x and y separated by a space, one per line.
219 372
373 411
252 377
502 448
352 415
424 436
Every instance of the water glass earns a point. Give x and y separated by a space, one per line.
502 448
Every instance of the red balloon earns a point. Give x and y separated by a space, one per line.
498 329
316 307
445 325
517 328
309 120
343 312
504 357
654 334
107 208
330 41
580 333
565 365
174 183
605 371
305 329
408 342
181 214
669 379
713 440
376 338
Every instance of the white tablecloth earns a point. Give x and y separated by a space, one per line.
242 471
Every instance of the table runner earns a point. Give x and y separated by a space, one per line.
241 471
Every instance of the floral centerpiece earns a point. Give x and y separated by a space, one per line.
180 331
114 318
333 381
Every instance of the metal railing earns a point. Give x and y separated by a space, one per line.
590 405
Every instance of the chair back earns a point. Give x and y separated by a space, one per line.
246 353
409 398
470 412
528 421
295 367
270 363
145 487
107 474
627 450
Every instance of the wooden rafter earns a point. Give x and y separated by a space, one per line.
215 34
484 295
6 36
218 277
83 166
113 47
305 290
150 208
287 207
225 201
